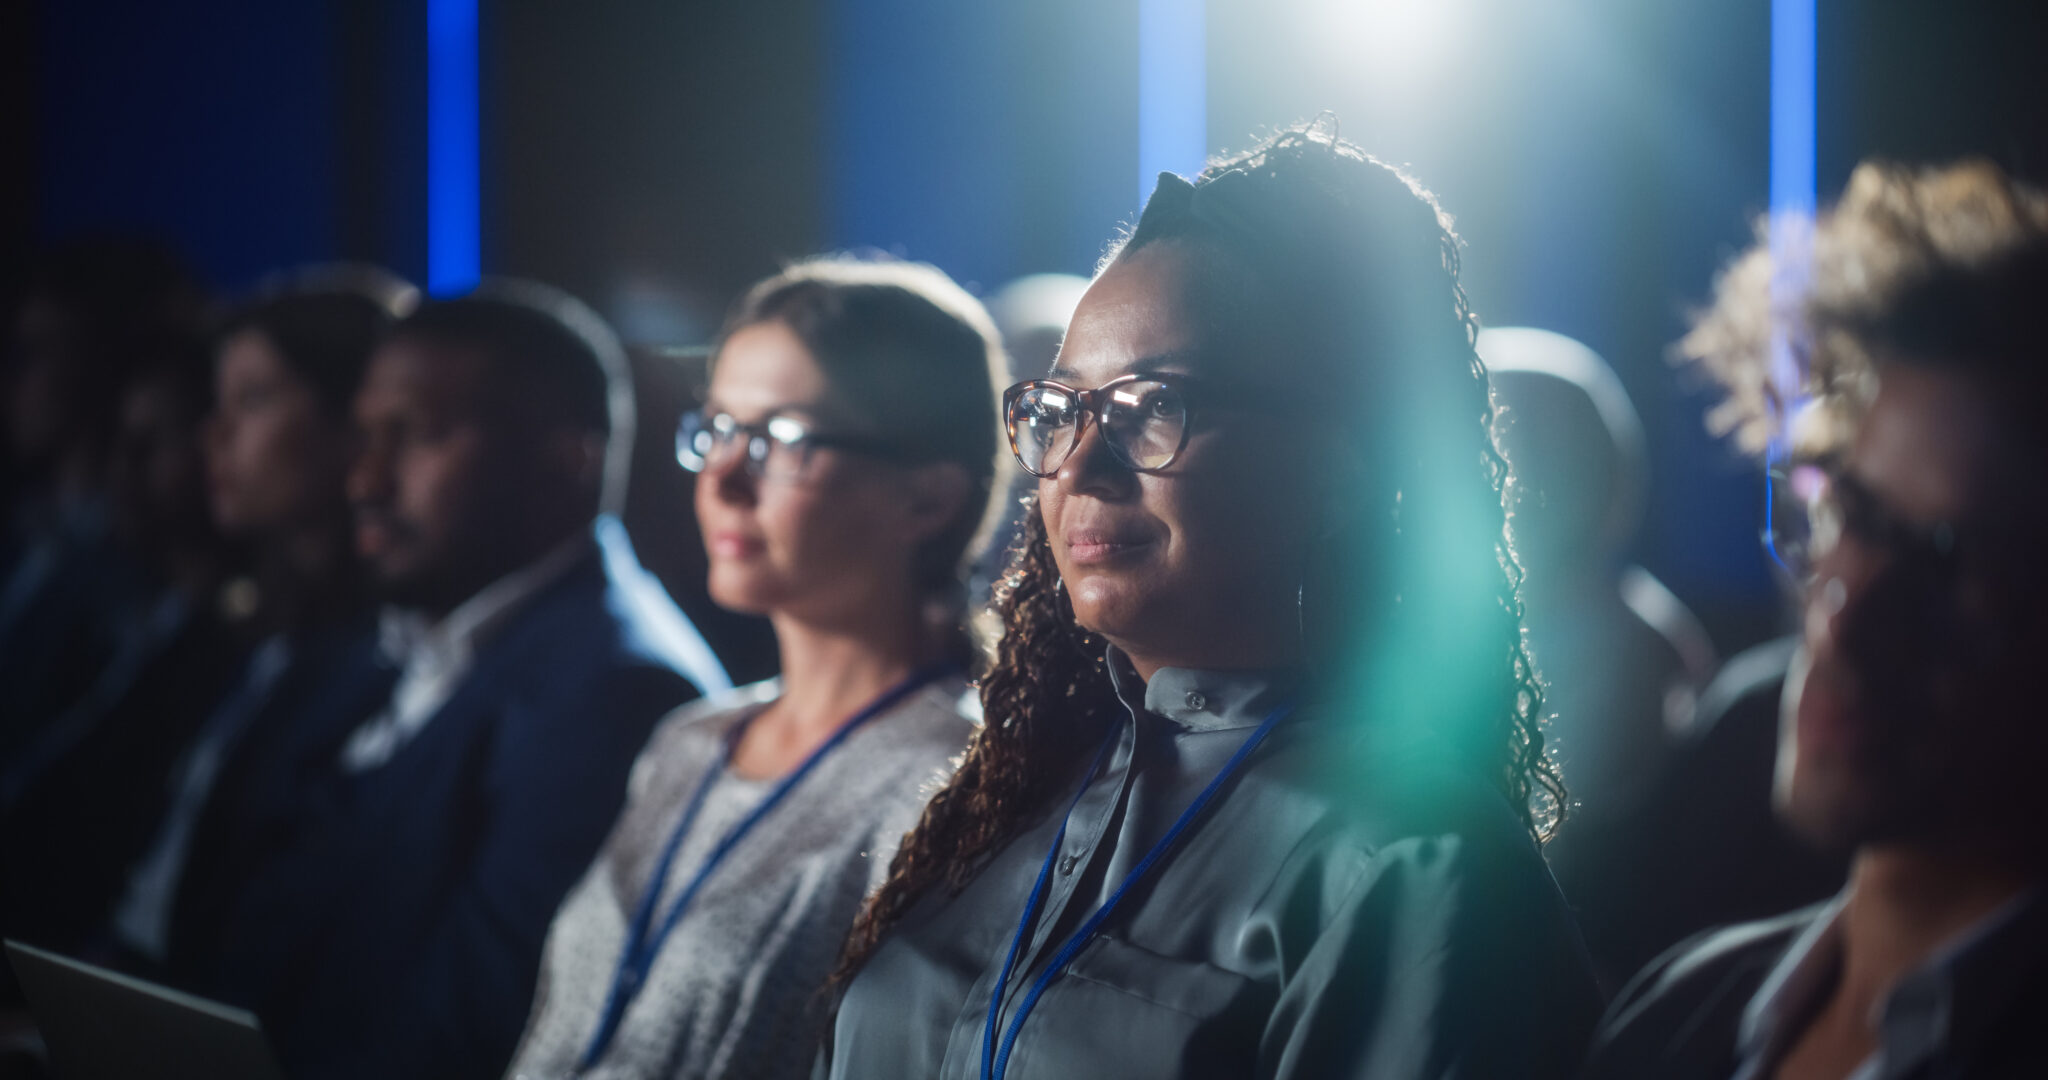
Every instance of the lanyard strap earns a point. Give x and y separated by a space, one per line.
643 939
995 1059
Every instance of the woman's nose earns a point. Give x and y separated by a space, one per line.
725 469
213 434
369 474
1092 468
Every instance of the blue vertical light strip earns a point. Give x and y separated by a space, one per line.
1173 91
1795 46
454 212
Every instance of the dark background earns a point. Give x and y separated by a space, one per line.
1603 157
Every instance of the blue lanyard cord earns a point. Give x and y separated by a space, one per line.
641 948
995 1059
988 1035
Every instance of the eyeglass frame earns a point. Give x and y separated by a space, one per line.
1863 515
761 434
1192 389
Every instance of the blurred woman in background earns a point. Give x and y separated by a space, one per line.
244 447
79 800
1260 782
278 444
846 455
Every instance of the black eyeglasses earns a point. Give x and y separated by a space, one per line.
1144 418
778 448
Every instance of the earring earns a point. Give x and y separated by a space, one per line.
1300 617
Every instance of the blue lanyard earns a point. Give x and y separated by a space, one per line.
996 1059
642 946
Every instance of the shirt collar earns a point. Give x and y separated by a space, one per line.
1793 989
1199 700
406 637
1943 1005
1967 986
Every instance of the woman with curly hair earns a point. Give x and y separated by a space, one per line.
1259 786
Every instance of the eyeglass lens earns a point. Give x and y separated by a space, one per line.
1799 524
777 448
1812 509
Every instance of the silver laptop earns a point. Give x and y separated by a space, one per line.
103 1025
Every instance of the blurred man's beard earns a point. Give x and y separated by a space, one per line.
1834 785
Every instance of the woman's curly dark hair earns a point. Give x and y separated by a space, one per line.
1349 262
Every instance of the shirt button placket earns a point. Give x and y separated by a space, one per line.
1083 837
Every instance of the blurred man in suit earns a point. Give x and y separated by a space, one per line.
1911 731
418 825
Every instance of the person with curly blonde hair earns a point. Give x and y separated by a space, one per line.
1888 357
1260 784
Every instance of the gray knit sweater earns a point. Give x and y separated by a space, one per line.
734 991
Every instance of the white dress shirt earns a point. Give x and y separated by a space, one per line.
433 658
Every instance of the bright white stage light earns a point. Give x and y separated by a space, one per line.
1390 42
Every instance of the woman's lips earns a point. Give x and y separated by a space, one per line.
1095 548
725 544
372 538
220 480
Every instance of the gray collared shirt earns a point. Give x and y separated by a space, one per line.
733 992
1333 914
1937 1011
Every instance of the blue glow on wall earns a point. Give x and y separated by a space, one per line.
1014 164
1173 94
1794 49
1794 45
454 213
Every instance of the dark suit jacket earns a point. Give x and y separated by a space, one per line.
1681 1017
394 927
260 798
66 847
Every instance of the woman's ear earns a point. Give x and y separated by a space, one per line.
938 494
